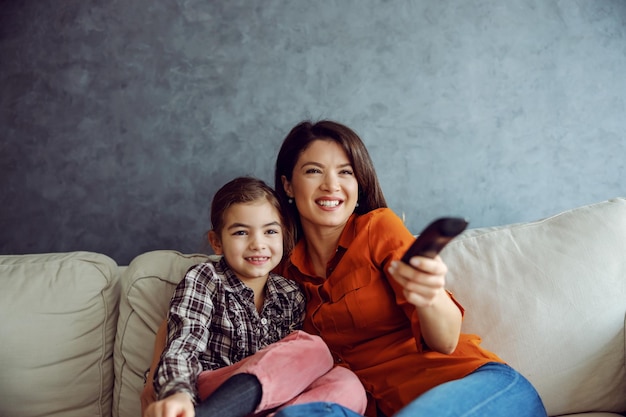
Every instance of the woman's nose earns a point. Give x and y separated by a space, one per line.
330 182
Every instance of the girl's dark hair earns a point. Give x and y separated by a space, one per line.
300 138
248 190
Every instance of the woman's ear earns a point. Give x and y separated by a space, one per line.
286 186
216 242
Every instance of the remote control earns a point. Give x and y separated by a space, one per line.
434 237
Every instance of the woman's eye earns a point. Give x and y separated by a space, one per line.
313 171
346 172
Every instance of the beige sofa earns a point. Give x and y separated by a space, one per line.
77 330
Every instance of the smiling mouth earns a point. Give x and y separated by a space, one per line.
328 203
257 259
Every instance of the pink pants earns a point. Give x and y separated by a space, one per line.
295 370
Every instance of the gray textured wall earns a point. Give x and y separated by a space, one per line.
120 119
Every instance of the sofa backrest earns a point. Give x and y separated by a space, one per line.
549 297
147 286
58 314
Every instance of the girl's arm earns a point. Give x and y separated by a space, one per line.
188 322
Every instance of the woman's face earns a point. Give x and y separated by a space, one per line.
323 185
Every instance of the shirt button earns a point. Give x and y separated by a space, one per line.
263 321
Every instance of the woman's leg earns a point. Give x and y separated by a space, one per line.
284 369
316 409
494 390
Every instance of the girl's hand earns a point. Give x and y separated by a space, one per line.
422 282
176 405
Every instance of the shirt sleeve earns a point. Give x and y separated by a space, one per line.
299 310
188 323
295 302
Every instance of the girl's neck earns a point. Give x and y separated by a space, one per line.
257 285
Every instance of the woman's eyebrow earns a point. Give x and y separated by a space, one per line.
318 164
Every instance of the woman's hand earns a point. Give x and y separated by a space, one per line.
422 282
423 285
176 405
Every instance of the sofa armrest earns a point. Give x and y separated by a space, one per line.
58 316
549 297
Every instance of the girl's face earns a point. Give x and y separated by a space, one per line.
323 185
251 240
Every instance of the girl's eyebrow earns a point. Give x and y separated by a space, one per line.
237 226
247 226
272 224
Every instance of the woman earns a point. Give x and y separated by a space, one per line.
391 323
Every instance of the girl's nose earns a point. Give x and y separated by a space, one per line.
257 241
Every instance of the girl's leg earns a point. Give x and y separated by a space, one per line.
284 369
340 386
494 390
237 397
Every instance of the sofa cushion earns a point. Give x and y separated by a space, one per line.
550 298
59 313
147 286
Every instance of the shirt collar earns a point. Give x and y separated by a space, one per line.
299 255
235 285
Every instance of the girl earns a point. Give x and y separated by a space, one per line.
233 347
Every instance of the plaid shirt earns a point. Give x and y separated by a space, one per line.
213 323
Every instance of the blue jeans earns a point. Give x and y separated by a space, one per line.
494 390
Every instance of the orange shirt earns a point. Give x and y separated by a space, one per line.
362 315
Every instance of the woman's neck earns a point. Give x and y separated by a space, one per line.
321 246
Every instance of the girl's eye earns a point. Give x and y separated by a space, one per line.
273 232
240 233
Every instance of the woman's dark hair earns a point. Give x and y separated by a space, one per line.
300 138
248 190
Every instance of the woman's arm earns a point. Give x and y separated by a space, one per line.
420 287
148 395
423 286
